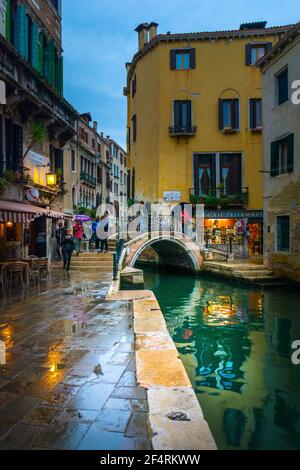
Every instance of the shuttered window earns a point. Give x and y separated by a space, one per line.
13 146
283 233
34 55
183 59
282 87
255 113
256 51
8 19
282 156
229 114
182 115
134 128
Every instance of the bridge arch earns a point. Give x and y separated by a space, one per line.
172 252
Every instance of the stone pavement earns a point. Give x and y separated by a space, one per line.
67 376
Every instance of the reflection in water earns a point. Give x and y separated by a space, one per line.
235 343
2 353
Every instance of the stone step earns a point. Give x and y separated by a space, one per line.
92 269
253 273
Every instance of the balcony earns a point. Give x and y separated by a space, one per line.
88 179
189 131
221 198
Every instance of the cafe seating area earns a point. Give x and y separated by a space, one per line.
21 273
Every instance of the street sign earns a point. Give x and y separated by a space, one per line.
172 196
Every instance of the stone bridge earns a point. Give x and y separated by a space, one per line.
173 251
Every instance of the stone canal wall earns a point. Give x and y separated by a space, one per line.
175 415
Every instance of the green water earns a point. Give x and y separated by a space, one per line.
235 343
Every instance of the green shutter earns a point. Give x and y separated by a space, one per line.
16 38
60 75
275 158
51 51
290 156
35 46
41 54
46 62
8 20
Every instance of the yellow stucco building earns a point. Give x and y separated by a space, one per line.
195 125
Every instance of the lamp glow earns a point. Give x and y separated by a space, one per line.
51 179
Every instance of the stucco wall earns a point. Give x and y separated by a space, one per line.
282 193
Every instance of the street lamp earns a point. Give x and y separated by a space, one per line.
51 178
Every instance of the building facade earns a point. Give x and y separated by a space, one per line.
35 125
195 126
281 114
118 174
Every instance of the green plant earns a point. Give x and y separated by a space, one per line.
194 199
3 183
38 135
130 203
10 176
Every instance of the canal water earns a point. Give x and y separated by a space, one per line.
235 343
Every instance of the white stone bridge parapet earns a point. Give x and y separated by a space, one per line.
173 250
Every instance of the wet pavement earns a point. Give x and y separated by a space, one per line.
67 368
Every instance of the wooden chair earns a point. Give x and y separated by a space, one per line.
43 266
16 273
4 278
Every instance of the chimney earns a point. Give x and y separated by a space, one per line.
152 30
142 30
95 125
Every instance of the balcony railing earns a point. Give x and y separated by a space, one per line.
86 178
176 131
222 197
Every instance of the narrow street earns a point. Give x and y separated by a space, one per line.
67 377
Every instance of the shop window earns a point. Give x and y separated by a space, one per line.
283 233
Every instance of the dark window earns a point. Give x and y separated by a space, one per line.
134 128
133 85
73 160
12 150
229 114
182 115
283 233
282 87
231 173
204 174
282 156
86 137
99 148
99 174
254 52
183 59
94 144
255 113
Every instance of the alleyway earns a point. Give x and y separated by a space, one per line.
67 380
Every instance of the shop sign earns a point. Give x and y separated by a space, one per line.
234 214
172 196
38 159
32 195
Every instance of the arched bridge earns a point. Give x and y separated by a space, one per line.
173 251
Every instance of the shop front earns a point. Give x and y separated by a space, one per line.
236 232
26 230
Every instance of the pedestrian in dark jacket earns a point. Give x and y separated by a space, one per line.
59 235
68 246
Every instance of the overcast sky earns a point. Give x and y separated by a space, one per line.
99 37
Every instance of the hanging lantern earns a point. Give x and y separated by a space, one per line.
51 179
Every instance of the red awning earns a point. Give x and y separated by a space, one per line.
18 212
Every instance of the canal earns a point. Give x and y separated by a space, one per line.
235 343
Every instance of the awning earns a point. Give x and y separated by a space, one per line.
18 212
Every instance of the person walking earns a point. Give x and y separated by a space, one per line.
104 230
60 234
78 235
68 246
94 238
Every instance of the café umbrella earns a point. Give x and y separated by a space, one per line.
82 218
